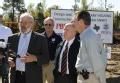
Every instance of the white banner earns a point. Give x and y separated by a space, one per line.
61 17
102 24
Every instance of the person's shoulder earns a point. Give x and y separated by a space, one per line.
90 33
7 28
14 35
57 36
39 35
43 33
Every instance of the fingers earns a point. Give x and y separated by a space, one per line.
28 58
11 62
23 59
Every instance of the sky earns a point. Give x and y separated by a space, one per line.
67 4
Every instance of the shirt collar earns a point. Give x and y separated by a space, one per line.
82 33
53 34
27 34
70 42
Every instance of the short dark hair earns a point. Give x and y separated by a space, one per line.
85 16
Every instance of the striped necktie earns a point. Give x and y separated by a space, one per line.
64 60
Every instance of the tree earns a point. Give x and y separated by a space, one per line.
116 21
13 8
31 9
40 13
48 11
84 5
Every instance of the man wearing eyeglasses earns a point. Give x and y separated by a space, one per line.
53 40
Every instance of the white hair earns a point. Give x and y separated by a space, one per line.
49 18
69 24
26 14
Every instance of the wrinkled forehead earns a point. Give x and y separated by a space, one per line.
26 17
68 26
49 19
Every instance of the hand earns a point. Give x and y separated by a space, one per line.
11 62
28 58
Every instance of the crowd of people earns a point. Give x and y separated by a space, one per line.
46 57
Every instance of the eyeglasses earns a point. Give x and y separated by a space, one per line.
48 25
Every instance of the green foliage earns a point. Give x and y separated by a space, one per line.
40 13
84 5
18 6
116 21
48 11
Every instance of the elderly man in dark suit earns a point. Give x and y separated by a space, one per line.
31 53
66 55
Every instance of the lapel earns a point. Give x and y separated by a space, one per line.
58 51
74 48
31 43
17 42
59 48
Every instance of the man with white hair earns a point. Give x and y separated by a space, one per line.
53 40
66 56
31 53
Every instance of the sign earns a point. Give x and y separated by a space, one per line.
102 24
61 17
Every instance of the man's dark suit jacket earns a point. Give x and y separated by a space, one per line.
72 57
38 47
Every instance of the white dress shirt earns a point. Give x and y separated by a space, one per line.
22 50
5 32
60 59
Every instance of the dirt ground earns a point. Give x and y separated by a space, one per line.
113 65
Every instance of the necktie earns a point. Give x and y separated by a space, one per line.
64 60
